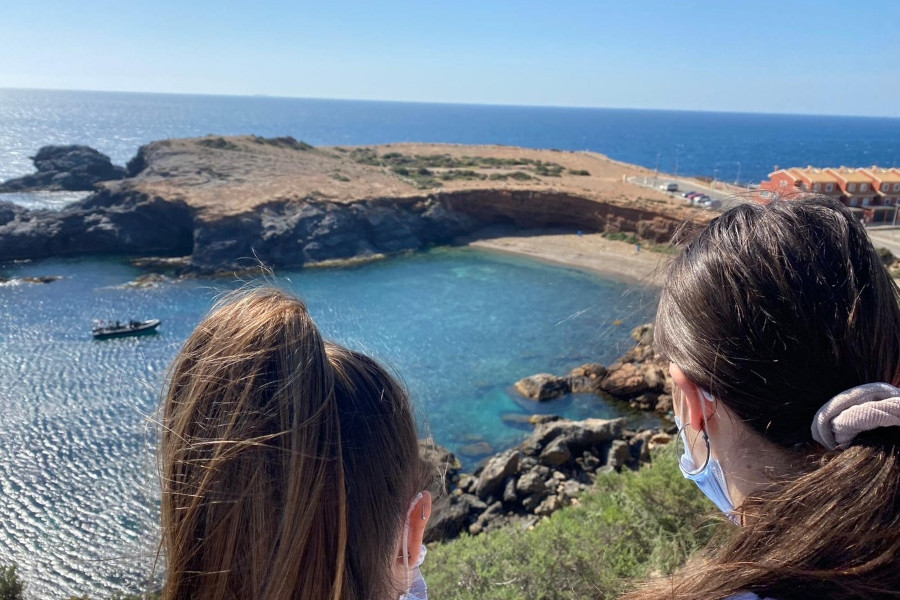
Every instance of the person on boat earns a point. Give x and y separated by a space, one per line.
782 327
290 465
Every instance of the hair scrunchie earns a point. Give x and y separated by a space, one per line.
862 408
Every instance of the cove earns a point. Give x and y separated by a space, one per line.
77 439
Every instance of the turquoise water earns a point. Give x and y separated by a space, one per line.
77 434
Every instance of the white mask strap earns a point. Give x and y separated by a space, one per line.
405 542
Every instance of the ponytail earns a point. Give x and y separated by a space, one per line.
261 475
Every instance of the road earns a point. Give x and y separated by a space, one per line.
886 238
728 197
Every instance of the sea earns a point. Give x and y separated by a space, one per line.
78 481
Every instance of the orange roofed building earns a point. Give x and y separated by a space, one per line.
873 194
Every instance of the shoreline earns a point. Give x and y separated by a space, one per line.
590 252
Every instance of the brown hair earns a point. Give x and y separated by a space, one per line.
287 462
776 309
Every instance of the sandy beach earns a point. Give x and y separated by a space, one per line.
591 252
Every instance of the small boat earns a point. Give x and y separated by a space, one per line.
103 329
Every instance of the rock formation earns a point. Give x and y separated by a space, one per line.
66 168
228 202
558 461
640 377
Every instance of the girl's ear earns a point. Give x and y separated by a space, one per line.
419 513
693 397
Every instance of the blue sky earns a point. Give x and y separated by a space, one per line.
759 56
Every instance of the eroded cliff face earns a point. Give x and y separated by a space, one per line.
104 223
292 233
297 233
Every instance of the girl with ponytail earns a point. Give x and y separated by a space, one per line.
290 465
782 328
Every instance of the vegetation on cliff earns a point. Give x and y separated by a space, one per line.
627 527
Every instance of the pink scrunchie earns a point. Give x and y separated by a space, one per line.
859 409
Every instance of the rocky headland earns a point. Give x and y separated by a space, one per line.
225 203
560 459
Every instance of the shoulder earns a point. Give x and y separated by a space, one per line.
747 596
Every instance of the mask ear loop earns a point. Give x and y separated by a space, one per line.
709 398
412 506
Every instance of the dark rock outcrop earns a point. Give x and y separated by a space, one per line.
129 224
292 233
66 168
558 461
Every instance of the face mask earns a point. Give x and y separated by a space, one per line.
709 477
418 590
415 583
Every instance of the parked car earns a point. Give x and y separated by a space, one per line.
712 203
699 199
669 187
688 194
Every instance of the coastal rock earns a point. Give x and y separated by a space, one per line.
543 387
68 168
559 460
441 462
140 225
516 420
451 516
481 448
495 471
624 380
619 454
643 334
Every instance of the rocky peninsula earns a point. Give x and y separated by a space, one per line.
226 203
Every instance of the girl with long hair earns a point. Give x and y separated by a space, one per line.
782 328
290 465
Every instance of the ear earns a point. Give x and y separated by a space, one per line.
419 514
693 397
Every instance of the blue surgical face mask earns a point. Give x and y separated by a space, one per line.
418 590
709 477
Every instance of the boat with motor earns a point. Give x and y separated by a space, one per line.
108 329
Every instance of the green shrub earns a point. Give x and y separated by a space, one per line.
579 172
622 236
520 176
886 256
628 526
463 174
340 177
11 587
218 143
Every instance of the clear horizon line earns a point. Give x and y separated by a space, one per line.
497 104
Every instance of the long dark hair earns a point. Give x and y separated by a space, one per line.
287 462
775 309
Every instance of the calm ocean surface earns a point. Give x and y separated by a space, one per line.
702 143
78 498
